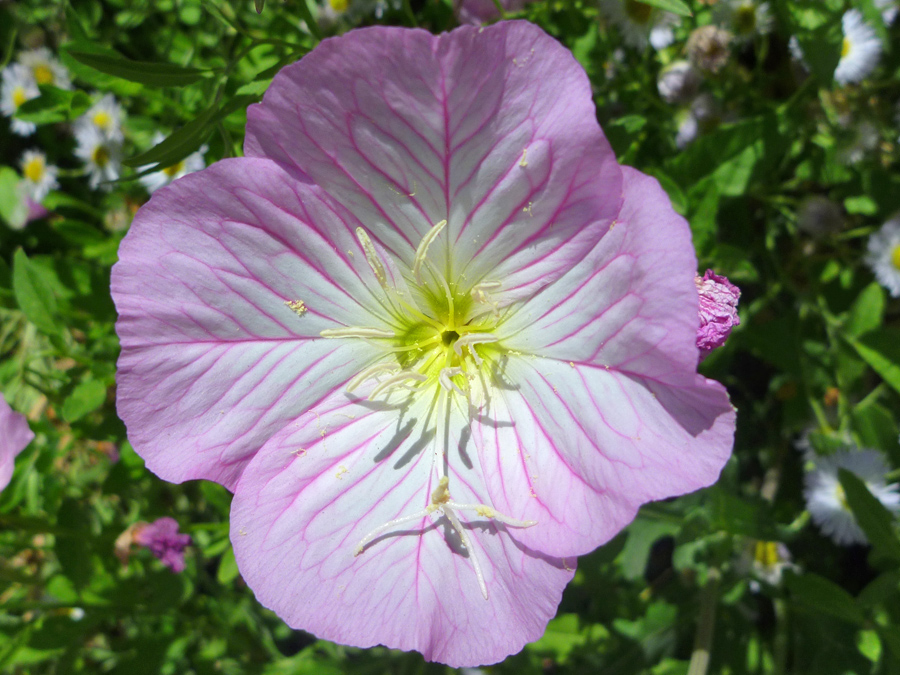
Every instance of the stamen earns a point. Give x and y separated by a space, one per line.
482 293
487 512
372 256
446 382
397 380
357 332
470 340
451 323
387 526
422 250
369 372
463 537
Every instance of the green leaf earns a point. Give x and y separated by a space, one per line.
867 312
874 519
144 72
821 49
818 594
13 208
54 105
34 294
228 569
84 399
564 633
307 16
674 6
881 350
259 5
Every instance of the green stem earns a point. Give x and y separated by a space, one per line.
706 626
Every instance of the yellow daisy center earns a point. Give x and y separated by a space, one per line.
34 169
841 496
43 74
100 156
174 170
766 553
102 119
19 96
638 11
339 6
895 257
846 47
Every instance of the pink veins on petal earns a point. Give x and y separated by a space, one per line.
433 337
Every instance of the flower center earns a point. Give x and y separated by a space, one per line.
638 11
43 74
34 169
174 170
841 496
100 156
846 46
102 119
19 96
895 257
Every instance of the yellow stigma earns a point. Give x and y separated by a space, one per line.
895 257
43 74
339 6
102 119
174 170
19 96
100 156
845 47
34 169
638 11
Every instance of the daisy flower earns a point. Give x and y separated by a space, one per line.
14 436
38 176
431 334
883 255
826 500
641 24
860 50
678 82
888 9
106 116
102 156
45 68
154 181
17 86
709 48
744 18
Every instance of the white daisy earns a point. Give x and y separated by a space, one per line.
744 18
38 176
678 82
766 560
860 51
827 501
102 156
884 255
106 115
44 68
157 179
17 86
888 9
641 24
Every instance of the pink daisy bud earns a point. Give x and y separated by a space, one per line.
718 311
162 538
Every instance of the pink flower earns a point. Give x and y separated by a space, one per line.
431 334
14 436
477 12
718 311
162 538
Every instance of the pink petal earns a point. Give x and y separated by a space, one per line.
348 466
15 434
631 304
579 449
213 362
493 130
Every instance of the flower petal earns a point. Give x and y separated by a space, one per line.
493 130
213 360
349 466
631 304
579 448
15 434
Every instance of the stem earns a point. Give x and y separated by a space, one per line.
705 628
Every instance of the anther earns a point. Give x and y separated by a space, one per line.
372 256
371 371
446 382
422 249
